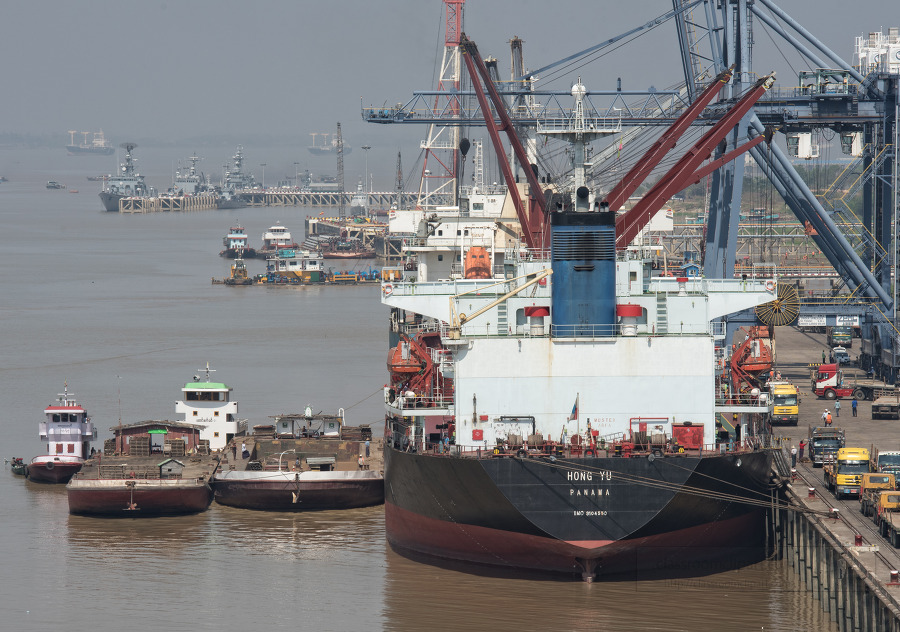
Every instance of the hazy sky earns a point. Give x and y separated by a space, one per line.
170 71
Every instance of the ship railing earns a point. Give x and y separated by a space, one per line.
742 399
618 448
588 332
419 403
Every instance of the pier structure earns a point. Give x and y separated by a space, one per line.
167 204
839 553
275 197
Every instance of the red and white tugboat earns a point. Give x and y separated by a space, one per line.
68 432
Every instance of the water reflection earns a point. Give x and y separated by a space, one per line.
763 596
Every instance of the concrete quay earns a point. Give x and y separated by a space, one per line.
840 555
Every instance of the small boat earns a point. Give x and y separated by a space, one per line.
128 490
312 463
53 184
17 466
68 431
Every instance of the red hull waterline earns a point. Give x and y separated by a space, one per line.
702 549
59 473
143 501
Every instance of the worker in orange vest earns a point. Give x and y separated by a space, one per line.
828 419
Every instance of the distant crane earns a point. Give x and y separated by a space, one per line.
339 150
399 183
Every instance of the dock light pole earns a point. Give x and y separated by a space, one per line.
263 165
366 149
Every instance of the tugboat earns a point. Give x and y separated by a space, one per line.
239 275
126 183
237 245
68 431
276 238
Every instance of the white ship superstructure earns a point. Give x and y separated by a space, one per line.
209 404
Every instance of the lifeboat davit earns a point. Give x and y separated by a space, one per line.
478 263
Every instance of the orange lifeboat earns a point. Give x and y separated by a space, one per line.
402 359
478 263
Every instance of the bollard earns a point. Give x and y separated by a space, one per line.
895 578
793 475
812 492
857 541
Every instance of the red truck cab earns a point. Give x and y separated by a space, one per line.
829 382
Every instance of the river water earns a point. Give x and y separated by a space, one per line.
121 308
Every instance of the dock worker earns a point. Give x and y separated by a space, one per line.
825 416
800 451
823 356
853 405
828 418
793 456
837 408
359 461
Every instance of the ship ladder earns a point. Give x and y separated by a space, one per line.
781 463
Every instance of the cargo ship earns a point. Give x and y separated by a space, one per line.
552 406
98 145
569 423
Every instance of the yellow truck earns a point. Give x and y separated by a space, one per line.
870 487
844 475
887 517
784 404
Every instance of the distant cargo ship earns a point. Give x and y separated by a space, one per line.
98 146
326 147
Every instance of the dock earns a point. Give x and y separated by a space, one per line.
166 204
843 560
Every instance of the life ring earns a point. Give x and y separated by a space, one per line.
770 286
680 450
589 452
49 465
387 289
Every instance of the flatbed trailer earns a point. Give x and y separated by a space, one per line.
886 407
887 517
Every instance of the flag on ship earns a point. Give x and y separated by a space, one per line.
574 414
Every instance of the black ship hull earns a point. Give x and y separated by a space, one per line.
77 150
110 201
577 515
285 494
238 253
